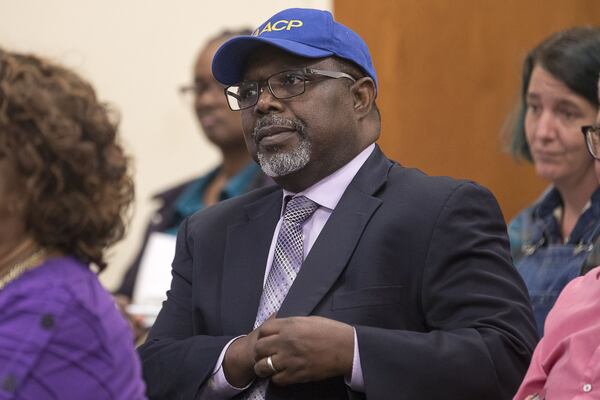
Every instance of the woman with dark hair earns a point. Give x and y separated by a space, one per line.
65 190
565 363
552 241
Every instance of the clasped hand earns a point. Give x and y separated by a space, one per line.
302 349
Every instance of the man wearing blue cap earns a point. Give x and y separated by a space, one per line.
354 277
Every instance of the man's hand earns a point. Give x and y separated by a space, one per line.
238 363
304 349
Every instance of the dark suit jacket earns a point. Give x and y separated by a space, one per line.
419 265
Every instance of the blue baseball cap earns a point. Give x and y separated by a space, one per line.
300 31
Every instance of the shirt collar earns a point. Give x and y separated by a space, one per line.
551 204
550 201
328 191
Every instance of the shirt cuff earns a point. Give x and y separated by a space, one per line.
217 387
356 381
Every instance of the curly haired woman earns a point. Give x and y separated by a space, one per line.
65 191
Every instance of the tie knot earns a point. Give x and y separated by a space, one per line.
299 209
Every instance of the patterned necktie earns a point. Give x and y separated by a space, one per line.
287 260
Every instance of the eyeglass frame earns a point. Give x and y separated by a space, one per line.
587 131
265 82
197 90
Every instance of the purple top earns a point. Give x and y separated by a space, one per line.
62 337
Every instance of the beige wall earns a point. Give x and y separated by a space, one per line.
137 52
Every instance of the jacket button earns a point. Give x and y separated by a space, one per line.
47 321
9 384
587 388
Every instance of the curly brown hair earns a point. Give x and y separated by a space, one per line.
74 177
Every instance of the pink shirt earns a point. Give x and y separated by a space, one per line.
566 362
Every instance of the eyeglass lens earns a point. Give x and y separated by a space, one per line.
592 134
282 85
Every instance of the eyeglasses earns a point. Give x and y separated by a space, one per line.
198 88
592 139
282 85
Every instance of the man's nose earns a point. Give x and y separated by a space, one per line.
266 101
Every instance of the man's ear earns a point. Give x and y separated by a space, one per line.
363 91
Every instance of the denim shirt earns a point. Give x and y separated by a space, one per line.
545 260
521 228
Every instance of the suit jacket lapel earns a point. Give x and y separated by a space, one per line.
246 254
338 239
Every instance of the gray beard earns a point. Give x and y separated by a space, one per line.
285 162
282 163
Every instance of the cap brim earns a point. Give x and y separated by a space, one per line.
230 60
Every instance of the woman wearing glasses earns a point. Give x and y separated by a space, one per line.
566 362
552 241
236 174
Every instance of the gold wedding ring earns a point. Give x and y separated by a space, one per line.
270 364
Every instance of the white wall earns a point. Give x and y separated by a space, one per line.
136 53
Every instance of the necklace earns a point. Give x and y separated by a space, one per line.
18 269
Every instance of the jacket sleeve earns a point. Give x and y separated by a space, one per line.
480 331
177 359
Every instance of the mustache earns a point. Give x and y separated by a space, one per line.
277 120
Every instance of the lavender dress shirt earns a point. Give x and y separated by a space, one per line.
61 337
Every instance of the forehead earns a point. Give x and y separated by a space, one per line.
543 81
545 85
267 60
546 88
202 67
